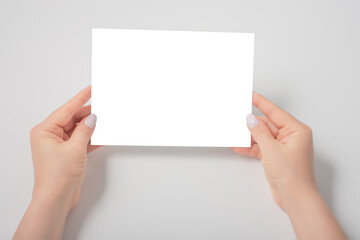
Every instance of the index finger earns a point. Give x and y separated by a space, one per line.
64 114
277 116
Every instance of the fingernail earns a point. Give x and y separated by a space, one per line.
90 121
251 121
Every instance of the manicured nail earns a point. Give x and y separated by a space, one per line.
251 121
90 121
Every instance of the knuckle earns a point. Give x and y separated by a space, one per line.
63 110
84 132
34 131
263 132
306 129
69 111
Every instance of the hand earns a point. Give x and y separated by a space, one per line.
285 148
59 147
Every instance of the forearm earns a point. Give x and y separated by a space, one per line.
45 217
310 215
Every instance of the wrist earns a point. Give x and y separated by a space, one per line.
46 215
296 194
58 195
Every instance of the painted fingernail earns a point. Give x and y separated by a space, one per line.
251 121
90 121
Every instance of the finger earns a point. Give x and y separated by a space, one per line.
274 130
252 140
64 114
276 115
253 151
261 133
84 130
92 148
69 133
66 136
83 112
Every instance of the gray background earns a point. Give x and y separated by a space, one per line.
306 61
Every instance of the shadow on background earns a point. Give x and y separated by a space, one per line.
324 173
91 192
95 181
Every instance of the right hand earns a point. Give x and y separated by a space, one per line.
285 147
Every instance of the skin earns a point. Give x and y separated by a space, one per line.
61 142
285 148
59 147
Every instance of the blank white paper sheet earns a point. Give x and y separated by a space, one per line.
171 88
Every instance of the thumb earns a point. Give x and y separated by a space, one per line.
84 130
260 132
